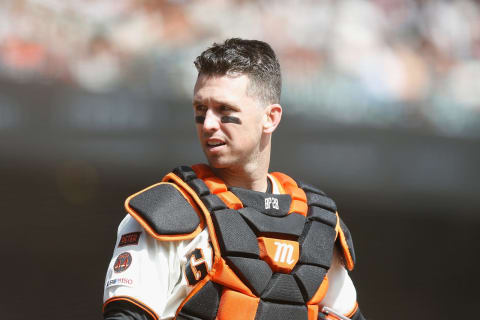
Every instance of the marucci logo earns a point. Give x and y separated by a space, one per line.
284 253
280 254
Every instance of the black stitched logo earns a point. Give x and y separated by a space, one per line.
196 267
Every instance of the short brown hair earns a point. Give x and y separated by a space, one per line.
253 58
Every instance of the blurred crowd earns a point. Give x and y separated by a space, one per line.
413 63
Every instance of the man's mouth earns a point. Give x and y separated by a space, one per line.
214 143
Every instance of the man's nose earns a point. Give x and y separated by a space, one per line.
212 121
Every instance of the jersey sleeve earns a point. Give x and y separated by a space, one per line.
341 295
149 273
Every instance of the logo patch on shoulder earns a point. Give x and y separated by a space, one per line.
129 239
124 260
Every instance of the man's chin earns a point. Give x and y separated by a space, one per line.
219 162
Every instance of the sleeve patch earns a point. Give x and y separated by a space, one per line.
123 261
126 282
129 239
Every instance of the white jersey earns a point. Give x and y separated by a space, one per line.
152 273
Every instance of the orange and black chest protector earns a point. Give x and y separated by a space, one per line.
271 252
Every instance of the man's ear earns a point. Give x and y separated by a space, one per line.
272 117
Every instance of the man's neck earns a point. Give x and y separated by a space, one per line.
248 178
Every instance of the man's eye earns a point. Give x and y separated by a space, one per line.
225 108
200 108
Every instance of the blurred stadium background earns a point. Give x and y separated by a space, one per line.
382 111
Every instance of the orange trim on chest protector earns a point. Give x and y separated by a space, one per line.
299 198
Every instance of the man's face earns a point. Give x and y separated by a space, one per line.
228 121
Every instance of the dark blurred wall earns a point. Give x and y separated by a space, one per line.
69 159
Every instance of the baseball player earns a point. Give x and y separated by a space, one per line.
229 240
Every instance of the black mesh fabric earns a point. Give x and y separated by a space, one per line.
185 173
317 244
234 235
309 278
276 311
262 201
291 224
314 199
199 187
283 288
213 202
309 188
183 316
322 215
204 304
165 209
254 273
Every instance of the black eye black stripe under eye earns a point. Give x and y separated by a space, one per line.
224 119
230 119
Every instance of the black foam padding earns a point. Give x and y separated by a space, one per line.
320 214
283 288
185 173
264 202
204 304
348 238
213 202
309 188
314 199
276 311
234 235
309 278
291 224
254 273
165 210
316 244
183 316
199 187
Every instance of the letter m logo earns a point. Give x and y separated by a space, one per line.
281 255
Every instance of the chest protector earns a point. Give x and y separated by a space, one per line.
271 252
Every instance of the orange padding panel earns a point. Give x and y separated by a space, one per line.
202 171
231 200
216 185
343 241
296 193
281 255
222 274
299 198
299 206
313 312
237 306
